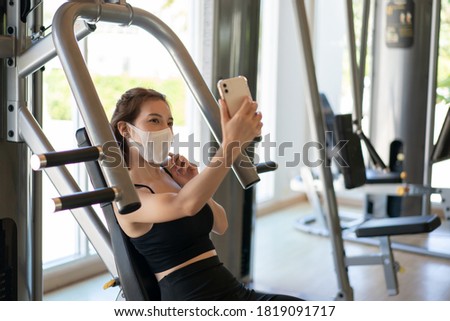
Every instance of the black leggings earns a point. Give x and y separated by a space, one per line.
209 280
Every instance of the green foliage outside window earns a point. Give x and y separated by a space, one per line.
58 95
109 89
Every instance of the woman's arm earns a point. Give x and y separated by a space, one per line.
237 132
163 207
182 171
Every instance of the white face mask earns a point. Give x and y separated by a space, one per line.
154 146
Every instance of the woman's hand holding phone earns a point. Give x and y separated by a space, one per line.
235 94
241 129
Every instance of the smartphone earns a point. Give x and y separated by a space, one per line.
233 91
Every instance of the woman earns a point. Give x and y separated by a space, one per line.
171 229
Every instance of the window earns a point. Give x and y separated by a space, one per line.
439 178
118 58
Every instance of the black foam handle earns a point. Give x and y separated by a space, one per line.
81 199
52 159
266 167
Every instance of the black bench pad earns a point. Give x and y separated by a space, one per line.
398 225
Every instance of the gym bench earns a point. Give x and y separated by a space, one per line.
383 229
355 175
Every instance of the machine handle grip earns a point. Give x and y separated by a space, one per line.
266 167
52 159
81 199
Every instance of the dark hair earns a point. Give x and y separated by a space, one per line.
127 109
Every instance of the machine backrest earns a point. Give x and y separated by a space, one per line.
354 171
136 280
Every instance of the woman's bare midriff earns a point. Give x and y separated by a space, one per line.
161 275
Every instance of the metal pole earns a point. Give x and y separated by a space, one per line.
363 53
355 73
242 167
431 101
44 50
87 98
89 103
36 206
36 100
17 196
317 124
86 217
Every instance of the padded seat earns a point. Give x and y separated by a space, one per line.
398 225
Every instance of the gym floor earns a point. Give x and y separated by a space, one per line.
289 261
305 264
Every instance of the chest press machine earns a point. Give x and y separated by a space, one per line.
73 21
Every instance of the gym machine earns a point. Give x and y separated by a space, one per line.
355 174
345 292
24 55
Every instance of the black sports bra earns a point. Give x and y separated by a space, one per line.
145 186
169 244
